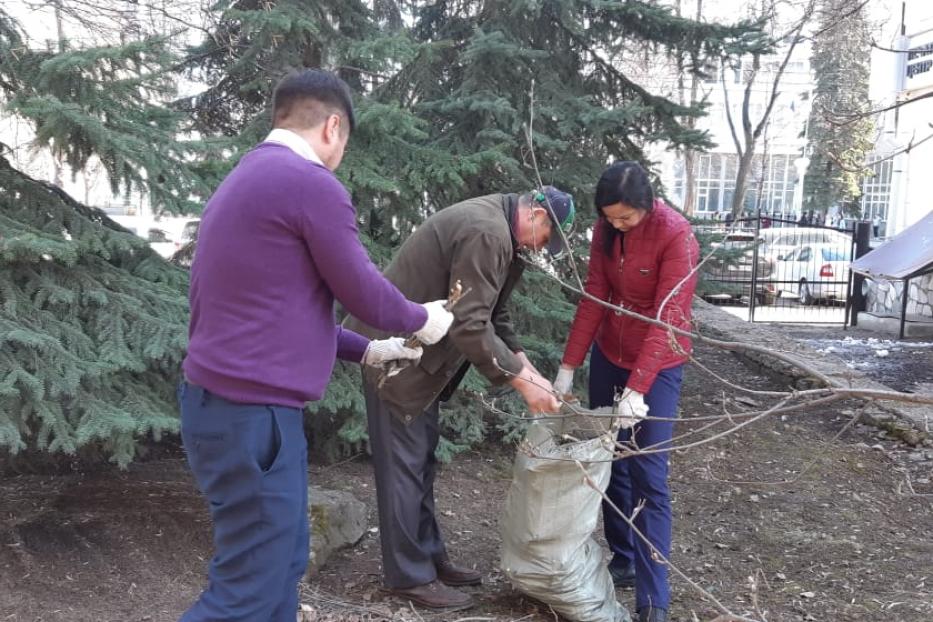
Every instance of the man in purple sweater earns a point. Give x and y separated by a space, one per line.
277 245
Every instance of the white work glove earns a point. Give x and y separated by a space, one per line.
563 384
391 349
439 321
631 407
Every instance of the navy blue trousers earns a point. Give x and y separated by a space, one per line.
251 462
640 478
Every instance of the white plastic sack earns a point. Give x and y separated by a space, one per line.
548 551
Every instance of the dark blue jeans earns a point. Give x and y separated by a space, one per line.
640 478
251 462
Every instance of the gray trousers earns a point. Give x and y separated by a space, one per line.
403 456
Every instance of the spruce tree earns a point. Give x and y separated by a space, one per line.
92 322
443 94
839 139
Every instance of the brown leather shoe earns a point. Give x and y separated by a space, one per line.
452 574
434 595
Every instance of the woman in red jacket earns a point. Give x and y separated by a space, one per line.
642 250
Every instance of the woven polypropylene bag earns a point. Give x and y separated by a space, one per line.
548 551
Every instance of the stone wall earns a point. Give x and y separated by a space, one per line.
884 297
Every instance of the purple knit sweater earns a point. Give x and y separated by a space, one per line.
277 244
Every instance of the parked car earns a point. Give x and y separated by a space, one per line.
776 243
814 272
186 244
728 274
189 233
184 256
160 242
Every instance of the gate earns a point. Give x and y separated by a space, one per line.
773 270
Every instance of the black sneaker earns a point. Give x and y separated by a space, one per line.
652 614
623 577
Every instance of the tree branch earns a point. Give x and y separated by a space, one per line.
808 13
746 103
856 117
910 146
838 20
656 554
728 107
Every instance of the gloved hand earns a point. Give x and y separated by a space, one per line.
563 383
631 407
439 321
391 349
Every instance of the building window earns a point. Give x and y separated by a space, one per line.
769 189
876 192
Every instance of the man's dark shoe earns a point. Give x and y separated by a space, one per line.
623 577
434 595
452 574
652 614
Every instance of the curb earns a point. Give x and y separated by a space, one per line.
912 423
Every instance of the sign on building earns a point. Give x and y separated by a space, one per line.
919 66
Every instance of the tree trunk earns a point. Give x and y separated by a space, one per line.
741 180
690 194
690 156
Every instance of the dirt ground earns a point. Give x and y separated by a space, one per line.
851 538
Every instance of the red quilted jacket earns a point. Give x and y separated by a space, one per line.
659 252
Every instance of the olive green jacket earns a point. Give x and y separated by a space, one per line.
470 242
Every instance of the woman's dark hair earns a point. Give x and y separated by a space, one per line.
623 182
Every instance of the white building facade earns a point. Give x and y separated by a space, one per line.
901 190
774 185
896 192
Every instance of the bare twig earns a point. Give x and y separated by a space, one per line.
803 471
394 367
910 487
529 133
727 345
656 554
628 452
695 269
911 145
870 113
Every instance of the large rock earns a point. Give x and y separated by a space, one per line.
338 519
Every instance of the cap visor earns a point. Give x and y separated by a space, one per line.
555 245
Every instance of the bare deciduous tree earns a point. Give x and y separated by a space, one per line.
754 74
690 155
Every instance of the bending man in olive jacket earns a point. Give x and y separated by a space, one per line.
476 242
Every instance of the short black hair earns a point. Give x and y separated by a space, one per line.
305 98
622 182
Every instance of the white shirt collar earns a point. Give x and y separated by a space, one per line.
294 142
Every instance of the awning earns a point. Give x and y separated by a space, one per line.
906 255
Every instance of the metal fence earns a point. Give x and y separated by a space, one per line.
772 270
